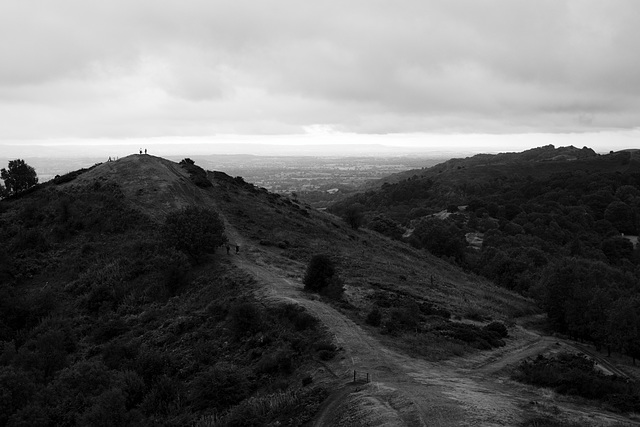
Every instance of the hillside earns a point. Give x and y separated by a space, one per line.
104 323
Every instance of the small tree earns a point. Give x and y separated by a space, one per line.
321 277
319 272
353 216
194 231
19 176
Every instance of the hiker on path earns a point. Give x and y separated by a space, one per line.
228 248
237 249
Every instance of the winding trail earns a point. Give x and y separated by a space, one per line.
406 391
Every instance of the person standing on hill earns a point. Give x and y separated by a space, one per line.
237 249
228 248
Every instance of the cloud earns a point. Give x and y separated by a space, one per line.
152 68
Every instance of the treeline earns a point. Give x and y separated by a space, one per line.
108 319
560 237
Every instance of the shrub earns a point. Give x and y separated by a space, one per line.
353 216
16 389
245 318
115 354
298 317
319 273
429 310
374 318
162 398
278 361
220 387
196 173
499 328
108 410
194 231
326 350
133 387
335 289
575 374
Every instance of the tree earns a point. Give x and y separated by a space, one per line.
353 216
441 238
19 176
321 277
621 216
194 231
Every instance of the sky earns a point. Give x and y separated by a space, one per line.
474 75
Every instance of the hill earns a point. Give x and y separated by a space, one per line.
106 322
558 225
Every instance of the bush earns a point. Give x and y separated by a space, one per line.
245 318
575 374
298 317
353 216
499 328
220 387
319 273
279 361
374 318
16 389
196 173
194 231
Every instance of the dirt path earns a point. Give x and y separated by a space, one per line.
405 391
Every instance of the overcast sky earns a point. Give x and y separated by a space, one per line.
87 70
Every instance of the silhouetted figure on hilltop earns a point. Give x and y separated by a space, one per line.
237 249
228 249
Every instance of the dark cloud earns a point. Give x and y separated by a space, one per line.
143 68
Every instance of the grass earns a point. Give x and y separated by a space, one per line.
367 262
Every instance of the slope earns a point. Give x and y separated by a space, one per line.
172 337
275 234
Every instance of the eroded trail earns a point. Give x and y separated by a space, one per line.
406 391
394 397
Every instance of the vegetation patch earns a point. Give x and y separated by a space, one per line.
103 322
196 173
576 375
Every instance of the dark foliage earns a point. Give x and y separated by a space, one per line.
386 226
499 328
194 231
245 319
18 176
354 216
197 175
320 271
481 338
575 375
374 317
551 223
441 238
101 323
